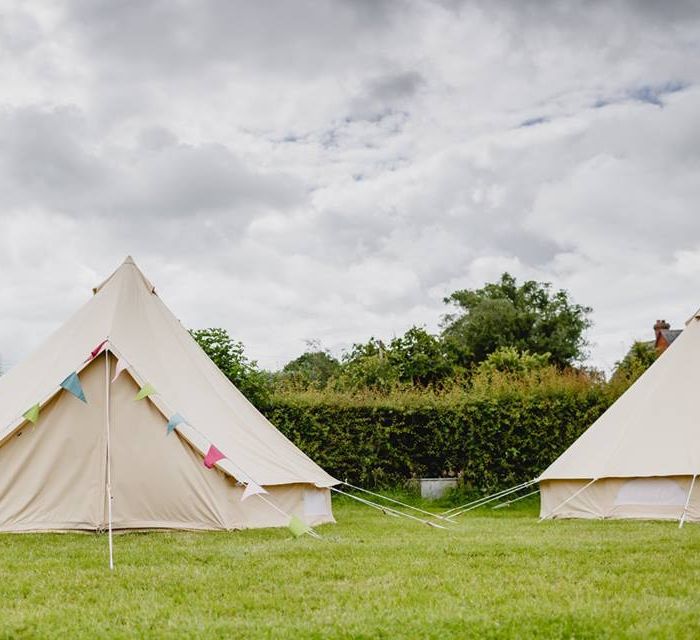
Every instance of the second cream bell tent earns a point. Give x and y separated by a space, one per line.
641 458
181 456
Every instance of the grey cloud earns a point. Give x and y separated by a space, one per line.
50 158
178 37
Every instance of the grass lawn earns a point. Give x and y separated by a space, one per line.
499 574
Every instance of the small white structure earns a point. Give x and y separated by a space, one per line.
434 488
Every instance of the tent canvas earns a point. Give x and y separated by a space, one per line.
55 473
640 458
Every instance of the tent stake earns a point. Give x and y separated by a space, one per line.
571 497
109 465
687 502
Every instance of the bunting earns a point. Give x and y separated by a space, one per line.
173 422
252 489
72 385
95 352
120 366
146 390
297 527
32 415
212 457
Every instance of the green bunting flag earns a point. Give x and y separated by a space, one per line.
72 385
146 390
297 527
32 415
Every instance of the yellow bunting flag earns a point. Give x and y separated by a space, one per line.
146 390
32 415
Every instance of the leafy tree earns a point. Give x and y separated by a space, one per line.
638 359
419 358
529 317
510 360
229 356
367 366
311 370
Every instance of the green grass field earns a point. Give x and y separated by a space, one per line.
498 574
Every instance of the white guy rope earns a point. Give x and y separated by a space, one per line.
571 497
388 510
505 504
484 501
687 502
493 495
407 506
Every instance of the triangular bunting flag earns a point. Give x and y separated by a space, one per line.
72 385
297 527
252 489
95 352
212 457
173 422
32 415
146 390
121 366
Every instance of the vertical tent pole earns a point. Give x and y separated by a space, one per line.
109 465
687 502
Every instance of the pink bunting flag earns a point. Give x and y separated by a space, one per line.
212 457
96 351
121 366
252 489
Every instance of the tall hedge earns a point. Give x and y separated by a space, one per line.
492 440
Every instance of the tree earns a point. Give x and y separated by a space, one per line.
511 361
529 317
311 370
230 357
367 366
419 358
638 359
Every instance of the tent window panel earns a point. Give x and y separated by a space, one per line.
651 491
315 503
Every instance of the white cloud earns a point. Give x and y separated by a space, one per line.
333 169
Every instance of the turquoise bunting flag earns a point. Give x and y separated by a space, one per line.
174 421
72 385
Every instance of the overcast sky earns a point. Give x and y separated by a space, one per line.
331 170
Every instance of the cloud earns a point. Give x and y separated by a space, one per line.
333 169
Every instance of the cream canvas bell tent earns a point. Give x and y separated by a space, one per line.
121 402
640 459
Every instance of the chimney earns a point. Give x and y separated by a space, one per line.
660 326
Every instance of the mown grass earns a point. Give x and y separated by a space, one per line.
498 574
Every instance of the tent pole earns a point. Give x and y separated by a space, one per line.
687 502
109 465
571 497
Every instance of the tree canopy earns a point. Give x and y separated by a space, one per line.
313 369
229 356
529 317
